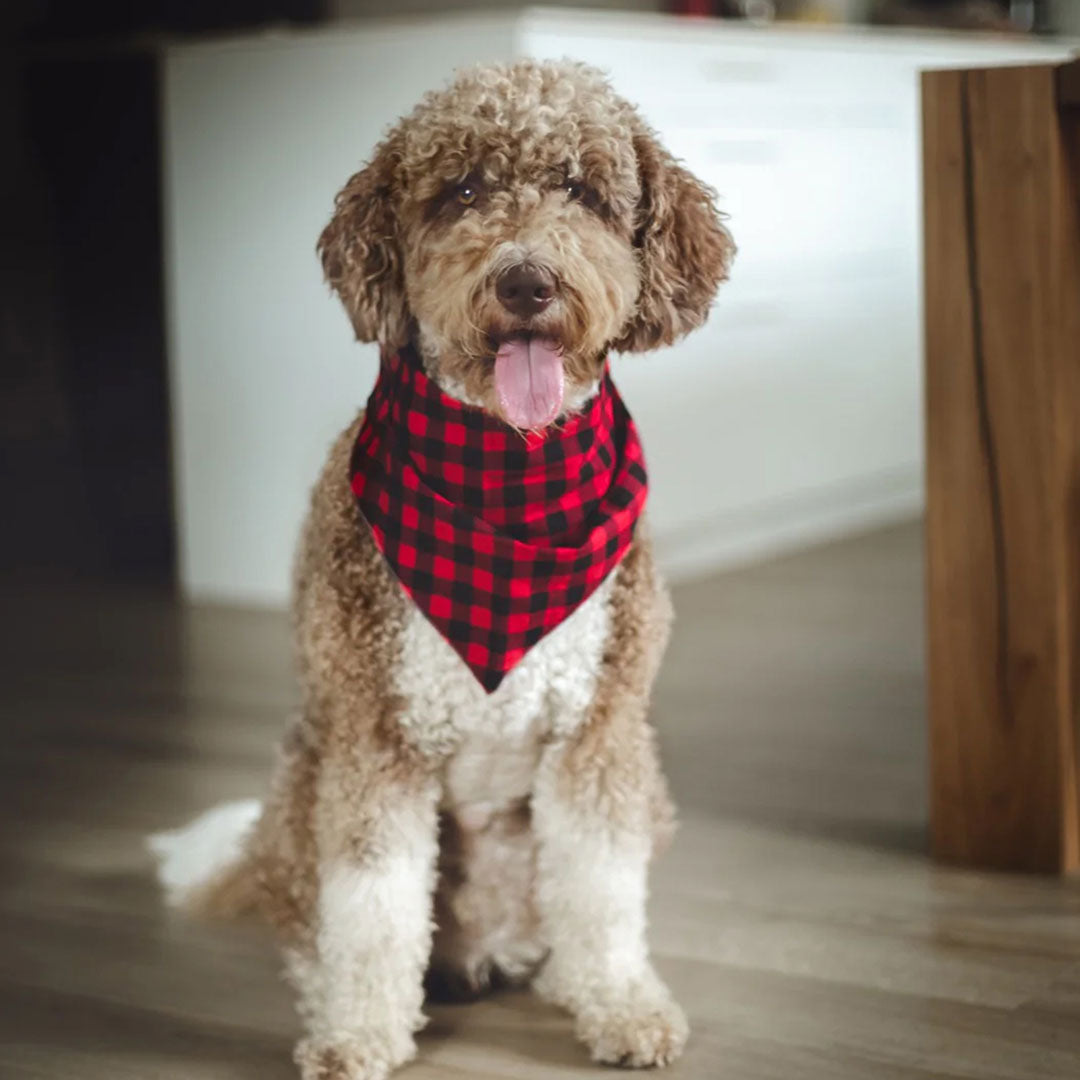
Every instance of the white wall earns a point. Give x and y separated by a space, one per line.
795 414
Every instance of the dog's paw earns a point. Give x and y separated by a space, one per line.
517 961
352 1057
469 978
642 1029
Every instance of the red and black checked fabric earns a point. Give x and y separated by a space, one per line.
496 535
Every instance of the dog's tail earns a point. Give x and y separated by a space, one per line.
205 867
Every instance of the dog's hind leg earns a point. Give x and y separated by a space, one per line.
359 971
487 933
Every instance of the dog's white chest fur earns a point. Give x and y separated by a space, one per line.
491 742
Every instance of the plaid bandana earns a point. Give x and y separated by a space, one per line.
496 535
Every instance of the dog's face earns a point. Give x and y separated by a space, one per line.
518 226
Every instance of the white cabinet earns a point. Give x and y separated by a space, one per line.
794 414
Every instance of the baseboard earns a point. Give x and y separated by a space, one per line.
752 533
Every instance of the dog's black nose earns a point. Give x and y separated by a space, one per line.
525 290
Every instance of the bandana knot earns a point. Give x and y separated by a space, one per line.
497 535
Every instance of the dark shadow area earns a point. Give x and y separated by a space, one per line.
85 470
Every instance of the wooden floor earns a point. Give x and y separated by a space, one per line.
796 916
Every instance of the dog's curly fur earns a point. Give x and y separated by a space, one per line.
639 251
415 824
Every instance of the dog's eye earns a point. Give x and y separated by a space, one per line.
466 194
575 189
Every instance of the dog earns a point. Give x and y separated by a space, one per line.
471 794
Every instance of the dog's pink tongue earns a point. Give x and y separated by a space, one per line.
529 381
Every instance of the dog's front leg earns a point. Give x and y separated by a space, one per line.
599 800
360 973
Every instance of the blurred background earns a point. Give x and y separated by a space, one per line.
174 370
174 366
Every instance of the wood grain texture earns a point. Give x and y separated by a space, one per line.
796 916
1003 404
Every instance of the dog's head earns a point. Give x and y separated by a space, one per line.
517 226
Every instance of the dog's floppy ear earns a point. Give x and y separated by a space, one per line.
361 254
685 251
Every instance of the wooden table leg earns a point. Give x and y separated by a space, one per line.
1001 157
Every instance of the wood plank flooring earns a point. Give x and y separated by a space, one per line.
796 916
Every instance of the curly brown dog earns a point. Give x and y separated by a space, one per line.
513 230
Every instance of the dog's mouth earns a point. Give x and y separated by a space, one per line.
529 380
